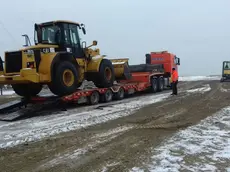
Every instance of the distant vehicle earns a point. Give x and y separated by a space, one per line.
225 71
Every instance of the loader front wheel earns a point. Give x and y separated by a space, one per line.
27 90
65 79
105 75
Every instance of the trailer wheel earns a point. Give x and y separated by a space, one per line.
94 98
160 84
27 90
107 96
65 80
120 94
106 75
154 85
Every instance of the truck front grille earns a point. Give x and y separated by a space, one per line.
13 61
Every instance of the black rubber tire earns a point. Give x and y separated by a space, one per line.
27 90
160 84
120 94
107 96
101 81
57 85
94 98
154 85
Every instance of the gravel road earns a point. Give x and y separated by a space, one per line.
117 137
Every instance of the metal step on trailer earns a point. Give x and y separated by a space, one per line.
8 111
23 108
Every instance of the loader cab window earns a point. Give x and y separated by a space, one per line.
48 34
226 65
72 40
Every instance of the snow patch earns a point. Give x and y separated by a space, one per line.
7 92
224 89
76 154
204 147
104 169
201 90
198 78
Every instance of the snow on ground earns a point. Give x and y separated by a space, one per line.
205 146
7 92
36 128
198 78
203 89
76 154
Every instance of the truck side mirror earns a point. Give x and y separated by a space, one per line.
178 61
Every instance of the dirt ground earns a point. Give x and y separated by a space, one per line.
118 145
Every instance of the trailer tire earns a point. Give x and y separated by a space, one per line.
107 96
94 98
65 80
106 75
120 94
160 84
153 85
27 90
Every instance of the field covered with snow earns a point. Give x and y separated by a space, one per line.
203 147
36 128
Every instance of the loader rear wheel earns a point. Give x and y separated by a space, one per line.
27 90
105 75
65 79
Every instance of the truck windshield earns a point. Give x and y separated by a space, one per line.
49 34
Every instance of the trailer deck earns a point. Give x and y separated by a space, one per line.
140 82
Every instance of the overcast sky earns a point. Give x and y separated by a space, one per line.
197 31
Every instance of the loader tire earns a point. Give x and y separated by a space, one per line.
65 79
105 75
27 90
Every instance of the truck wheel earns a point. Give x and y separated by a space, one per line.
27 90
120 94
65 79
160 84
105 75
107 96
153 85
94 98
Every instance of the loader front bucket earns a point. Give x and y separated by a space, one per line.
121 69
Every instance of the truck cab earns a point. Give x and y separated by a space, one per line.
168 60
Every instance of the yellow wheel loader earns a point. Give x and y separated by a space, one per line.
58 59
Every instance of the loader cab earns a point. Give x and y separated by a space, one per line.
226 69
62 33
